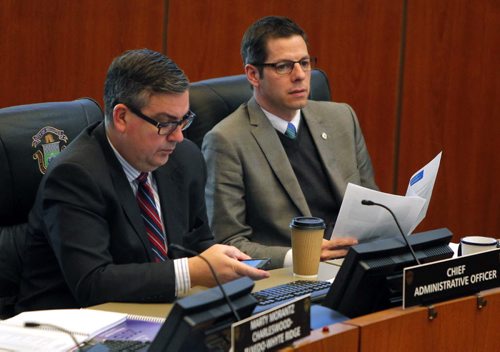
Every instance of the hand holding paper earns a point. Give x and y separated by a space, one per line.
368 223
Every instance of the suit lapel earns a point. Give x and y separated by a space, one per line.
129 205
324 138
269 142
168 193
123 190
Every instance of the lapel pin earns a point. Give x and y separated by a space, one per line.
324 135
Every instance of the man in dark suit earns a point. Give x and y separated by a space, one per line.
91 238
279 155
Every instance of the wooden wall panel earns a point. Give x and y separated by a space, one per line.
60 50
451 103
450 85
356 42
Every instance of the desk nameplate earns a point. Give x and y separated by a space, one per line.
274 328
451 278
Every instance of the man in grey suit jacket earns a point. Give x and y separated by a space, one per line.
88 241
258 178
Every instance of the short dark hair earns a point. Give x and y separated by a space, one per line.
254 42
136 74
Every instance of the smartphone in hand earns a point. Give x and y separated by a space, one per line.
259 263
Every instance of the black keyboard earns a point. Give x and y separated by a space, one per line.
271 297
117 346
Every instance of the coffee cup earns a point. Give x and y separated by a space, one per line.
307 235
476 244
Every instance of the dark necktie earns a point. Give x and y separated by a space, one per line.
290 131
152 220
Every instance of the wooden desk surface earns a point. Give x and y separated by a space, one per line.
460 325
327 270
344 337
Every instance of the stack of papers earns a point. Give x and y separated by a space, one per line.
82 324
367 223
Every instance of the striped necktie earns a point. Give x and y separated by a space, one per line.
290 131
151 218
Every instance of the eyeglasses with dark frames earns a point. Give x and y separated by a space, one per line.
166 128
286 67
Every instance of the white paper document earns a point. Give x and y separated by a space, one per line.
13 338
82 324
422 183
367 223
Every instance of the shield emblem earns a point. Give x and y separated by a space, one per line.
49 142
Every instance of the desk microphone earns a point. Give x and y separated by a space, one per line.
369 202
30 324
189 251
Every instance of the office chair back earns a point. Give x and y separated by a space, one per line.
214 99
30 136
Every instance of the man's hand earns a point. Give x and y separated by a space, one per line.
226 262
336 248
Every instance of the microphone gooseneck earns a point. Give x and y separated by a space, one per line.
189 251
369 203
30 324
